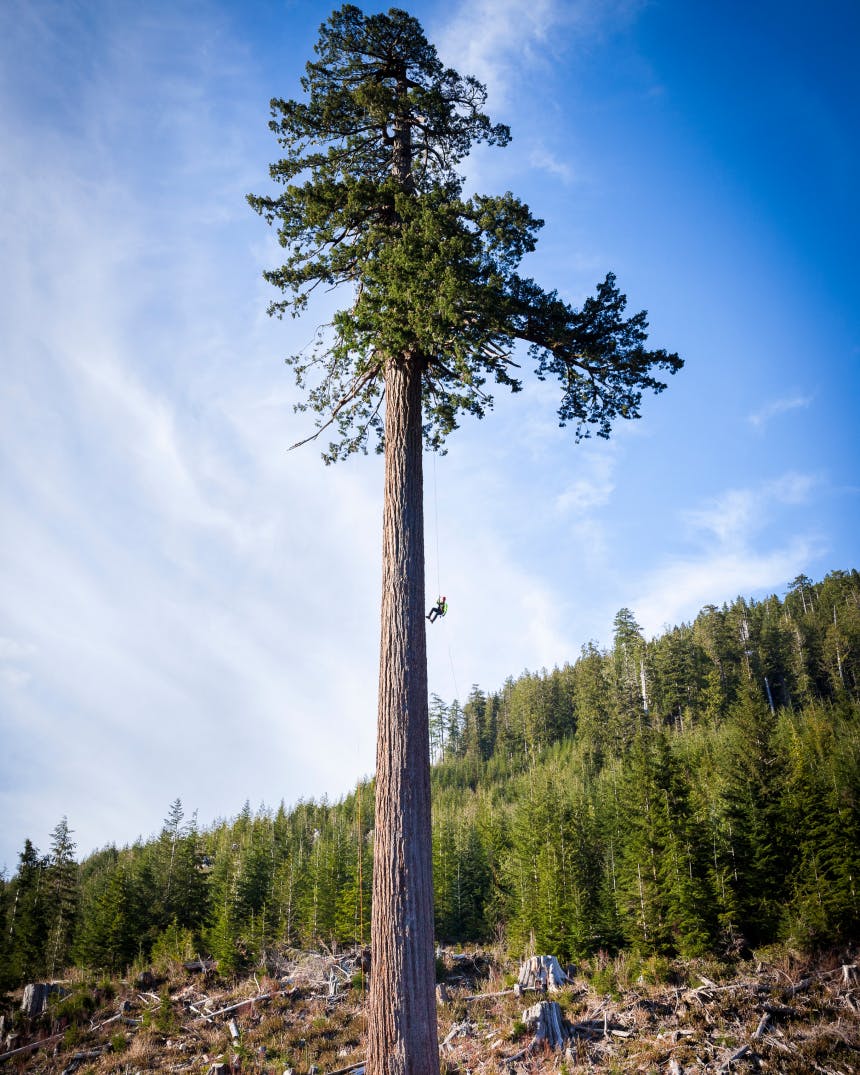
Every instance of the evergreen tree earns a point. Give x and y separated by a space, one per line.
478 737
109 933
713 632
676 664
222 939
663 866
839 623
172 879
372 200
553 866
629 676
822 807
751 774
63 888
289 881
461 874
29 917
591 693
438 718
455 728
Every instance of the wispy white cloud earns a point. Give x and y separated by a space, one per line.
794 488
490 40
733 548
594 482
12 650
678 590
14 659
735 516
549 162
163 560
498 41
760 418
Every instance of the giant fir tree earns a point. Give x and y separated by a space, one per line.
372 203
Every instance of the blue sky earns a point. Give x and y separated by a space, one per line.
187 609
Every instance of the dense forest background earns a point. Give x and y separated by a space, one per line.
696 793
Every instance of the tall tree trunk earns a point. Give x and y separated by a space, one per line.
402 1037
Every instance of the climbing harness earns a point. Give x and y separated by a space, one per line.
439 609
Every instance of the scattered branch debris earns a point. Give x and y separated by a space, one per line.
790 1015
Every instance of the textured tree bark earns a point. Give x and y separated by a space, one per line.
402 1035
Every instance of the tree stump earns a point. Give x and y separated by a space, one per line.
35 999
542 973
549 1024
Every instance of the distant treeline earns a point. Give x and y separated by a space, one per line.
692 794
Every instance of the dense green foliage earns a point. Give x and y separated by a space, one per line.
698 792
370 204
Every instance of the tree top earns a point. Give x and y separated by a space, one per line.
372 206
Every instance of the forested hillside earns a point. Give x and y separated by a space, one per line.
698 792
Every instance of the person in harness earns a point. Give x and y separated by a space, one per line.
439 609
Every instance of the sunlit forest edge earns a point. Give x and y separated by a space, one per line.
695 794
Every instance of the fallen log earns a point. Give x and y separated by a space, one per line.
235 1007
739 1054
458 1030
81 1058
793 990
779 1009
32 1046
762 1025
358 1067
492 996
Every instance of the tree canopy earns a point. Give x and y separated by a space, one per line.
372 204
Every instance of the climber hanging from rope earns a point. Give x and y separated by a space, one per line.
439 609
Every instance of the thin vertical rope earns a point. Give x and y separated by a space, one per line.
439 569
436 521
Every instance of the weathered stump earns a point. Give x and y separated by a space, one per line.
549 1024
35 999
542 972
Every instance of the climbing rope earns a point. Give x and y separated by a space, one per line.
436 522
439 569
